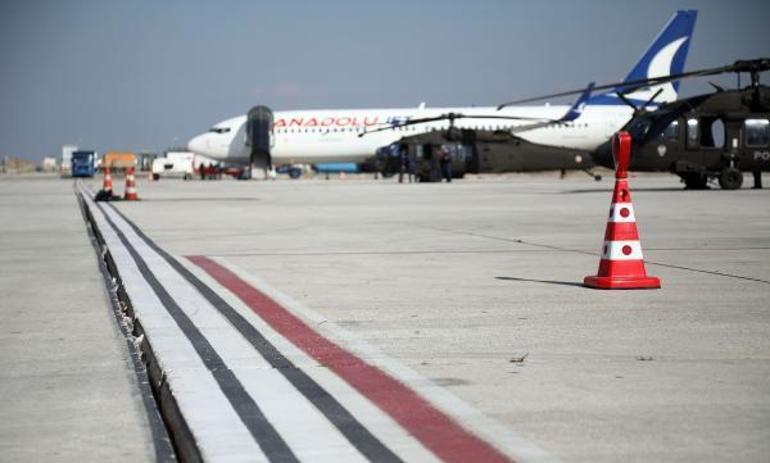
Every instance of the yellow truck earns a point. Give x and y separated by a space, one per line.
118 160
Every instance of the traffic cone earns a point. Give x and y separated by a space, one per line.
130 186
622 264
107 185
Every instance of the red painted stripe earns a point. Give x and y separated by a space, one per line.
435 429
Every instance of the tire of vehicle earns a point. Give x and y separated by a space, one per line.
730 178
156 176
187 177
295 173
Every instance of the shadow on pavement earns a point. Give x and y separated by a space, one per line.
550 282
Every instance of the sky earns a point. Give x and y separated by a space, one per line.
144 75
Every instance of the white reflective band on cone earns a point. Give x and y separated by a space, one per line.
613 250
617 208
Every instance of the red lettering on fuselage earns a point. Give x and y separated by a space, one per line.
325 122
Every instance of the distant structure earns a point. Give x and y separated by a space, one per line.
65 166
16 165
48 164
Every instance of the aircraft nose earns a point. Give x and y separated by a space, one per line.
198 144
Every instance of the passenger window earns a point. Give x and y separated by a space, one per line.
672 131
692 132
757 132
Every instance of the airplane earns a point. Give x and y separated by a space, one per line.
263 139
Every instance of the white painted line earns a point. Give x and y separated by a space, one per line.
499 436
311 437
206 410
379 423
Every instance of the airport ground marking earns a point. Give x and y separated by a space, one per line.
164 451
269 440
435 429
357 434
443 399
171 350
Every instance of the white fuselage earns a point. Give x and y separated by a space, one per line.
319 136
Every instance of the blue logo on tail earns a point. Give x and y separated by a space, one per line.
666 55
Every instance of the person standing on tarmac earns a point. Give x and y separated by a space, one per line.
202 170
402 164
411 161
446 164
757 179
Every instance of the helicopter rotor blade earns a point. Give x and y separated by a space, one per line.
652 98
749 66
628 102
451 117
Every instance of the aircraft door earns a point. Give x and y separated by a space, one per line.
259 136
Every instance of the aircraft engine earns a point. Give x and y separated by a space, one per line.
259 136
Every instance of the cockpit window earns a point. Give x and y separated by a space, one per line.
219 129
672 131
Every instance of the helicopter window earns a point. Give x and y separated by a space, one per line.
692 132
757 132
712 133
672 131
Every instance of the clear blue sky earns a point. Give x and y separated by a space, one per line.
144 75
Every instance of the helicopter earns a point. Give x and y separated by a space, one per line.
480 149
717 135
713 136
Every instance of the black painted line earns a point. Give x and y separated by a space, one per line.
355 432
271 443
164 450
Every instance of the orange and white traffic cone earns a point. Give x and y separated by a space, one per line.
130 186
622 264
107 185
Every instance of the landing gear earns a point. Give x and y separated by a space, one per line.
694 181
730 178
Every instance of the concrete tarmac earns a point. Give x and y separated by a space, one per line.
68 391
476 286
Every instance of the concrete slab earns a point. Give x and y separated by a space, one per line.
67 383
462 281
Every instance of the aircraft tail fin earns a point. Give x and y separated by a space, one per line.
665 56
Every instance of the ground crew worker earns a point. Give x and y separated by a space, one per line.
202 170
402 164
757 179
446 164
411 160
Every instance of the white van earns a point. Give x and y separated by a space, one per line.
174 165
